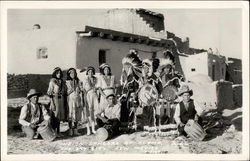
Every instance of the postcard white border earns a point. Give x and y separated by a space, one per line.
126 4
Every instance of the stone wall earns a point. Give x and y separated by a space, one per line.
156 21
224 91
237 95
19 85
234 70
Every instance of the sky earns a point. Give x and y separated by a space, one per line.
208 28
219 29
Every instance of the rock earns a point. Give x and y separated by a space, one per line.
231 129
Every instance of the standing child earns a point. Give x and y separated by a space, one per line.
90 86
74 101
107 83
56 93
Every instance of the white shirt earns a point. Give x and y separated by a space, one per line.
111 112
23 114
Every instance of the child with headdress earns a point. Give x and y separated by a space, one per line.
149 67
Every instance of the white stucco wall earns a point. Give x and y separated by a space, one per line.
58 34
198 62
203 64
88 50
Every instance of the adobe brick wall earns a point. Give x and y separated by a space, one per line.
237 95
19 85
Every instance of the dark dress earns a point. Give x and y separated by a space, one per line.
148 116
131 87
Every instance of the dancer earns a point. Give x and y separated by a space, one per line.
131 73
90 85
56 91
148 77
74 101
106 83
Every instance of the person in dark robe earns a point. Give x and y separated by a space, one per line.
149 77
131 74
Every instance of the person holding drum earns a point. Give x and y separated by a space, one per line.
149 68
33 115
186 110
152 91
109 114
169 77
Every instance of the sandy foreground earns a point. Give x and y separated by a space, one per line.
226 139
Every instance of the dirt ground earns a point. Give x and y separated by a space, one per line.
225 139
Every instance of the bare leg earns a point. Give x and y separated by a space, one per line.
88 128
93 127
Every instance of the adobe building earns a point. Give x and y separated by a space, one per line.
40 40
205 63
234 70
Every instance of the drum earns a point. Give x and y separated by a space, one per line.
147 95
104 133
194 130
47 133
169 93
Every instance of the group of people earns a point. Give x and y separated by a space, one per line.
73 100
93 98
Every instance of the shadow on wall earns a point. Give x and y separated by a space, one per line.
178 66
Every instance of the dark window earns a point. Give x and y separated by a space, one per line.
36 27
102 57
154 55
213 72
193 69
42 53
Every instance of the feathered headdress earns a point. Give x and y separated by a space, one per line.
167 59
134 63
152 64
132 59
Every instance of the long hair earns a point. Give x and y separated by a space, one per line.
55 72
102 71
68 75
